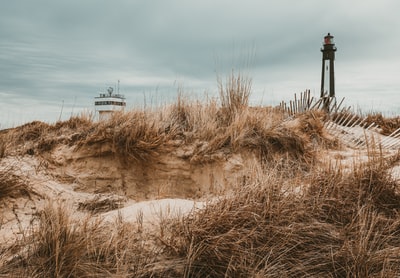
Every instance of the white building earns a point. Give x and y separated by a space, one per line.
106 104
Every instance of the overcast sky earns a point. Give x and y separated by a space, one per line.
56 56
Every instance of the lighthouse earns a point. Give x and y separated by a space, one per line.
328 68
106 103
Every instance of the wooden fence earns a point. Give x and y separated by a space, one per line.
341 122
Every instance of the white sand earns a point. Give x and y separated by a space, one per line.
154 210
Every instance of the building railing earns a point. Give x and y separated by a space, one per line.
113 95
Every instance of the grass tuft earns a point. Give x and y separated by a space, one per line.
234 96
133 136
387 125
3 146
11 185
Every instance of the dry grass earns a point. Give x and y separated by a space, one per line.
32 131
367 184
344 225
341 224
61 247
11 185
138 136
234 96
289 217
190 120
39 137
100 204
133 136
80 122
273 140
388 125
3 146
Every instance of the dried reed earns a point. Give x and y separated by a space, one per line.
12 185
100 204
344 225
234 96
59 246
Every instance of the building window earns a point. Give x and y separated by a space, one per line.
117 103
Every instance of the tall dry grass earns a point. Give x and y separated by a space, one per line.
2 149
324 223
234 95
387 125
287 218
140 135
4 140
226 125
12 185
38 137
133 136
341 225
60 246
190 120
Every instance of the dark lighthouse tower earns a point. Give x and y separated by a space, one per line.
328 69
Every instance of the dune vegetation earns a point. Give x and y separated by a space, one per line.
296 207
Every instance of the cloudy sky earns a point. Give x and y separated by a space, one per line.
56 56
